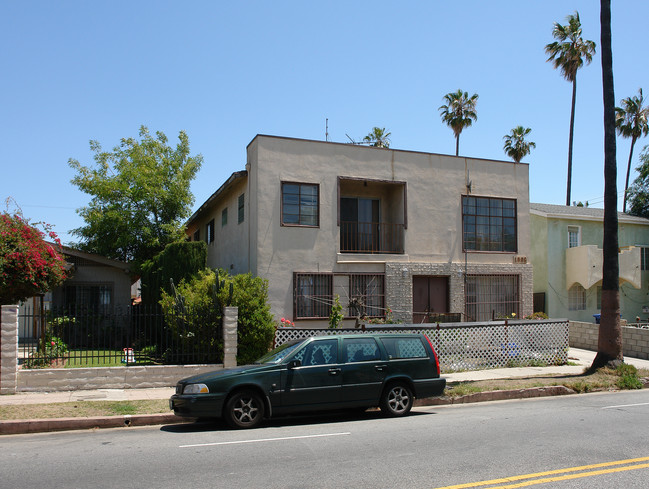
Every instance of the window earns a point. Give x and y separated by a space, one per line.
404 347
360 294
316 353
366 294
489 224
574 236
300 204
644 258
209 232
224 217
241 207
95 298
491 297
313 295
577 298
360 350
197 235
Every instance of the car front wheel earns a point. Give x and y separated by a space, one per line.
244 409
396 400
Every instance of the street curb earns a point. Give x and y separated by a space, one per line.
555 390
22 426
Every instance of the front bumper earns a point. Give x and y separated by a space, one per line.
197 406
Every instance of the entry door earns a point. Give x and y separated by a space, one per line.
429 294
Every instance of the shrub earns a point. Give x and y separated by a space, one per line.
28 264
628 377
255 329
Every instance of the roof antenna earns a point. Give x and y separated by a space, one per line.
327 129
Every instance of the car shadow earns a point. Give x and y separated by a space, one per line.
329 417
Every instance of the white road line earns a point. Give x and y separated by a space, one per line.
626 405
263 440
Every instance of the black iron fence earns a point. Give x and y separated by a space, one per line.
135 335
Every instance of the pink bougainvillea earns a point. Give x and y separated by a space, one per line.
29 265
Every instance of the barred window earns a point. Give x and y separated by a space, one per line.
489 224
491 297
313 295
577 298
367 296
300 204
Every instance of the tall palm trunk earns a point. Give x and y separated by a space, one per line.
457 145
628 172
572 132
609 347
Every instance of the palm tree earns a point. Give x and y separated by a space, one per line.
378 138
458 113
515 145
568 53
609 344
631 122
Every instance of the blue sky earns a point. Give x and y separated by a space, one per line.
225 71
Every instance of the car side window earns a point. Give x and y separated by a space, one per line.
360 350
404 347
319 353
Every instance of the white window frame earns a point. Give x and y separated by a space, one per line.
577 230
576 298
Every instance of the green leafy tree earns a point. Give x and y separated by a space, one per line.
29 265
609 345
569 53
378 138
631 122
336 315
140 196
515 145
639 190
459 112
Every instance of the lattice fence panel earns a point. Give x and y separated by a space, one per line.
474 346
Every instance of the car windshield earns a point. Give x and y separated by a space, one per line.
280 353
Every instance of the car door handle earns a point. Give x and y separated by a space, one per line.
334 371
380 368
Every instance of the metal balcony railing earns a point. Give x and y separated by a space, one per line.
371 237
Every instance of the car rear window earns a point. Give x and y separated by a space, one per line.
361 350
404 347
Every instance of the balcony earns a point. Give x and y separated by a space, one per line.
371 237
584 266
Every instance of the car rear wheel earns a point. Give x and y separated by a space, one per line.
244 409
396 400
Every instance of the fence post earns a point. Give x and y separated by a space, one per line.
9 350
230 319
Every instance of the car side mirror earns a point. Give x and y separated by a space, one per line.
294 364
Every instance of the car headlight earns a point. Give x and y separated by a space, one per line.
196 389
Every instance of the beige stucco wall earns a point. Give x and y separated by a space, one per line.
435 184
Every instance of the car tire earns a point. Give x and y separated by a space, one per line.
397 399
244 409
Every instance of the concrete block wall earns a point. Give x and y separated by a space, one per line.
635 341
8 349
398 284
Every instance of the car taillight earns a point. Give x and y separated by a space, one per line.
434 354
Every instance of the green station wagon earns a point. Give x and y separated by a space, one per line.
317 374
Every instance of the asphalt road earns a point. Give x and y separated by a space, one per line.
434 447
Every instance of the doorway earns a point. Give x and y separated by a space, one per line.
429 296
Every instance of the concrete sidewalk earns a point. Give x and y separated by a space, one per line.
581 359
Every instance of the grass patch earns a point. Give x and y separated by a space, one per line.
82 409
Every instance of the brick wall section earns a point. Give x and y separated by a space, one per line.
8 349
635 341
398 284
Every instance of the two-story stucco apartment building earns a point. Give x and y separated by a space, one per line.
416 233
567 257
